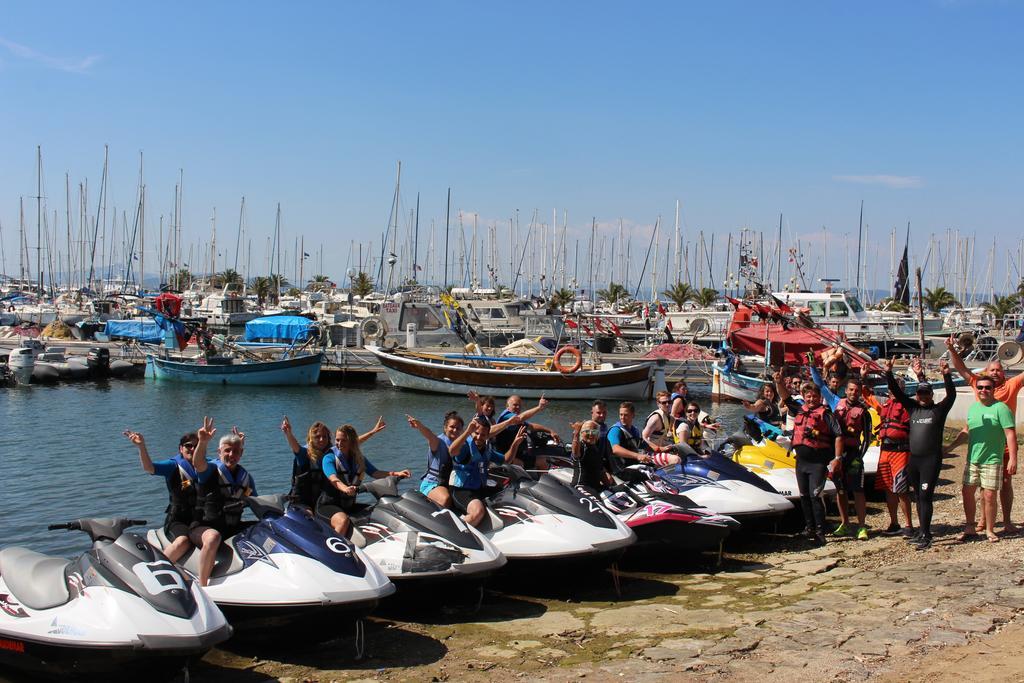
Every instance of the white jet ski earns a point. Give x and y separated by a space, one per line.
417 542
289 569
120 610
544 521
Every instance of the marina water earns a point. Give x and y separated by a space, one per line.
64 455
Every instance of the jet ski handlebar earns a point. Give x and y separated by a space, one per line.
100 528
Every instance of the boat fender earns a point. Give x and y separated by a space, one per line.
573 351
373 328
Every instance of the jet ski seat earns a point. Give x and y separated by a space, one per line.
261 506
36 580
227 560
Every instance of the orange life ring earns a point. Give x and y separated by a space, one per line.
574 352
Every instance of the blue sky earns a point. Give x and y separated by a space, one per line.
600 110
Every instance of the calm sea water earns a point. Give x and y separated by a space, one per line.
63 455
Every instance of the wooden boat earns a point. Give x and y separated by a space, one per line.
730 385
296 371
457 373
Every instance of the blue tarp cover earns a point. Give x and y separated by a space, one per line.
144 330
279 328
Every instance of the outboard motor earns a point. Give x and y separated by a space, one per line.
98 361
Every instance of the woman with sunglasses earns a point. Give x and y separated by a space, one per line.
927 421
691 428
659 427
184 475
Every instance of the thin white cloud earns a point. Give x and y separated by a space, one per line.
896 182
69 65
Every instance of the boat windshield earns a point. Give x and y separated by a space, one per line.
854 303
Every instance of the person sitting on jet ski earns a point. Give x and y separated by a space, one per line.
628 444
599 413
470 467
485 411
184 474
434 484
230 484
766 405
593 454
691 430
343 469
659 428
503 441
307 479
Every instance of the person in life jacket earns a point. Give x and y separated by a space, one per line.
818 442
307 478
502 437
470 465
344 468
659 427
226 490
691 429
185 474
629 446
434 484
893 458
855 422
766 405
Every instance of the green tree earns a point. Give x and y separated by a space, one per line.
294 291
319 283
182 279
263 287
705 296
679 294
1002 306
891 304
614 294
362 284
937 299
560 298
230 277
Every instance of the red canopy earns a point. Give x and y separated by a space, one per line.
747 336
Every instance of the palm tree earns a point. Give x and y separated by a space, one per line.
560 298
1001 307
937 299
362 284
680 293
319 283
613 294
262 287
705 296
891 304
182 279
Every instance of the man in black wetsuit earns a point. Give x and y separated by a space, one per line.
927 421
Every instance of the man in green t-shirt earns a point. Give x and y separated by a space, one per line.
990 431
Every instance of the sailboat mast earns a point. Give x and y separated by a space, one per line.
39 216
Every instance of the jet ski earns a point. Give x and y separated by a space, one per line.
288 569
538 519
717 483
415 541
767 458
121 609
655 510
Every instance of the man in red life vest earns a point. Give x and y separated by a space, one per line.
893 458
855 423
818 442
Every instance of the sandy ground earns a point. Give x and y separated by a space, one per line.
775 609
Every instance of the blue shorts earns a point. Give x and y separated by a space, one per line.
426 486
